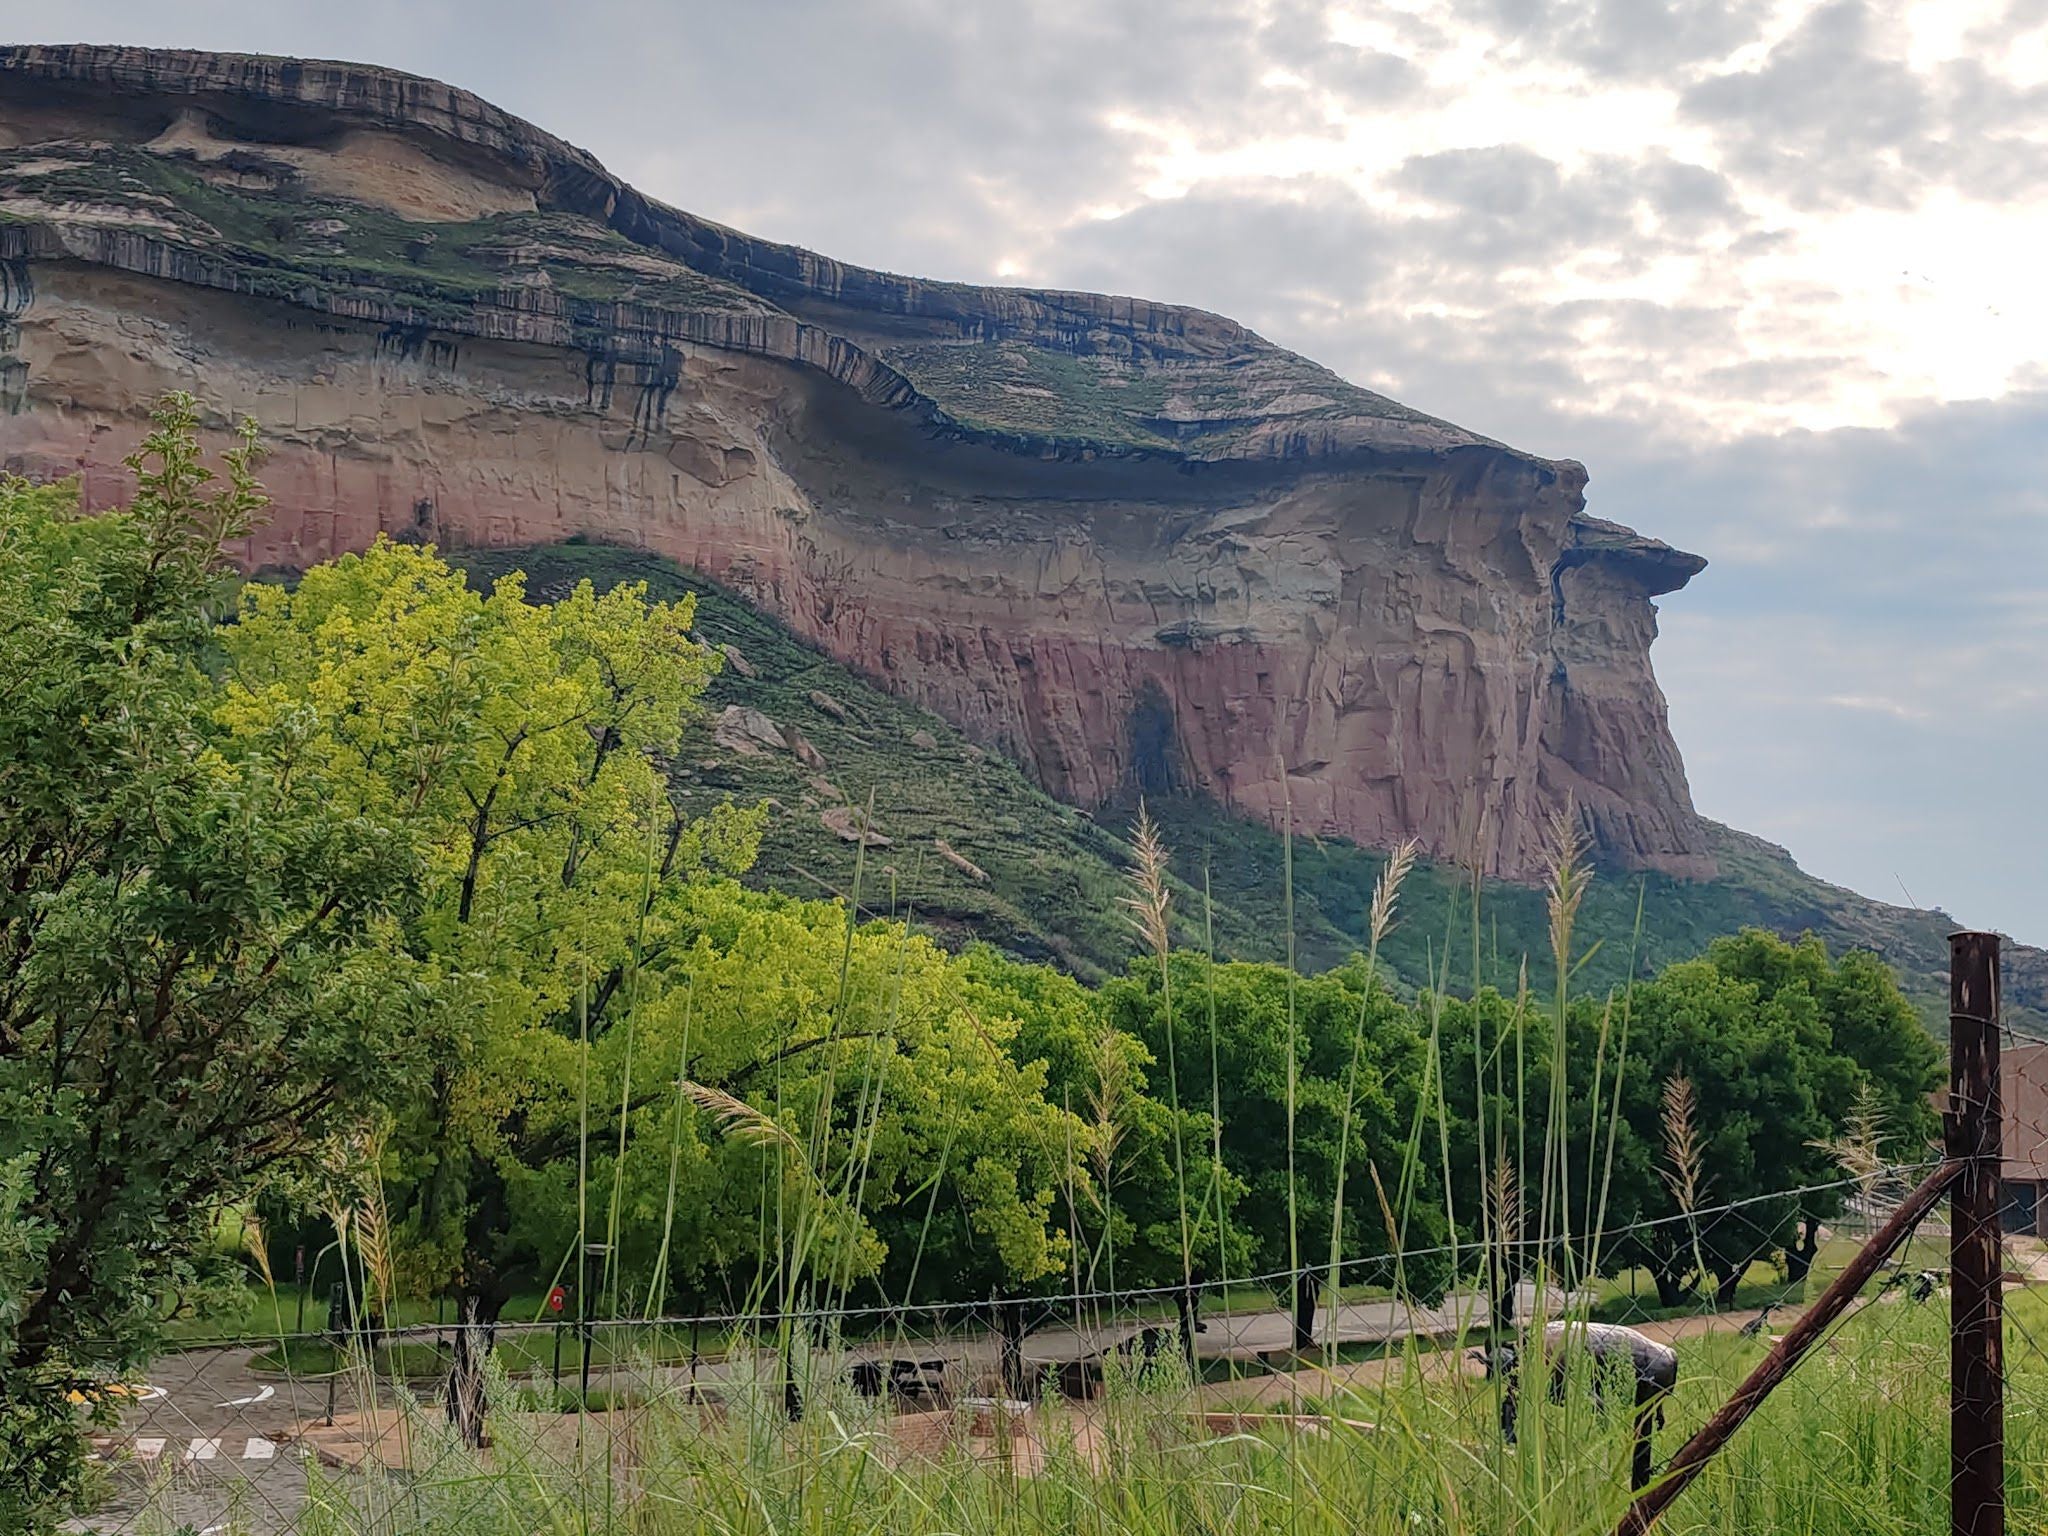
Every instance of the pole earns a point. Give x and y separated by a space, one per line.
1972 1130
583 1327
1785 1354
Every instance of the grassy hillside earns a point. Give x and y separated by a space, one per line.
1049 877
976 850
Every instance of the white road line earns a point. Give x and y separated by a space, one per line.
202 1450
150 1449
249 1402
258 1449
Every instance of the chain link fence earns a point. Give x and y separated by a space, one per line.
1862 1356
1519 1409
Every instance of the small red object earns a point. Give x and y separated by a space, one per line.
557 1299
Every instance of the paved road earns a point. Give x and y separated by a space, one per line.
1249 1335
212 1445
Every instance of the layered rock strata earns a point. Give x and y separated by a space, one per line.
1134 546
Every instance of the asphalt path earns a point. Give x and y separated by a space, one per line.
210 1447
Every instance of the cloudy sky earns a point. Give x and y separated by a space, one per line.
1770 268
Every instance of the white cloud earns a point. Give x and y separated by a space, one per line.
1873 705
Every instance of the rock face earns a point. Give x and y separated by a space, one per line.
1133 545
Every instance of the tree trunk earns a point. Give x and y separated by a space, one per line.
1727 1283
475 1333
1184 1300
1010 1324
1305 1312
1670 1278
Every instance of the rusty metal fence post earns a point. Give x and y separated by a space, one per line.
1811 1326
1969 1177
1972 1129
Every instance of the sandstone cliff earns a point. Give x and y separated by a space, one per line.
1128 544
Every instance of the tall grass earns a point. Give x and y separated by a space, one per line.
773 1439
1385 897
1853 1445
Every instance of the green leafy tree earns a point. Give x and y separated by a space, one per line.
1696 1106
1349 1042
1756 1069
1776 1046
1877 1052
1125 1202
193 973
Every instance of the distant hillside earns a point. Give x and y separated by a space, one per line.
976 850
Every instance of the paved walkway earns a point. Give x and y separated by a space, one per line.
1313 1383
1256 1334
211 1443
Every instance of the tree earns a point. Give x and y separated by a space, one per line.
517 747
1125 1204
1754 1068
1288 1209
1775 1043
608 1004
193 976
1877 1052
927 1158
1499 1057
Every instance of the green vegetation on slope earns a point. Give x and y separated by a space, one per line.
287 244
252 224
1053 874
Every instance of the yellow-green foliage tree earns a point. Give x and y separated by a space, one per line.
607 1005
1131 1206
902 1138
516 746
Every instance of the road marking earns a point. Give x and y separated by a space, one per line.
259 1449
249 1402
202 1450
150 1449
115 1392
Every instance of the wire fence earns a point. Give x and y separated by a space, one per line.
1866 1355
594 1422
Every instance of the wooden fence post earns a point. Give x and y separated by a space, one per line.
1973 1129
